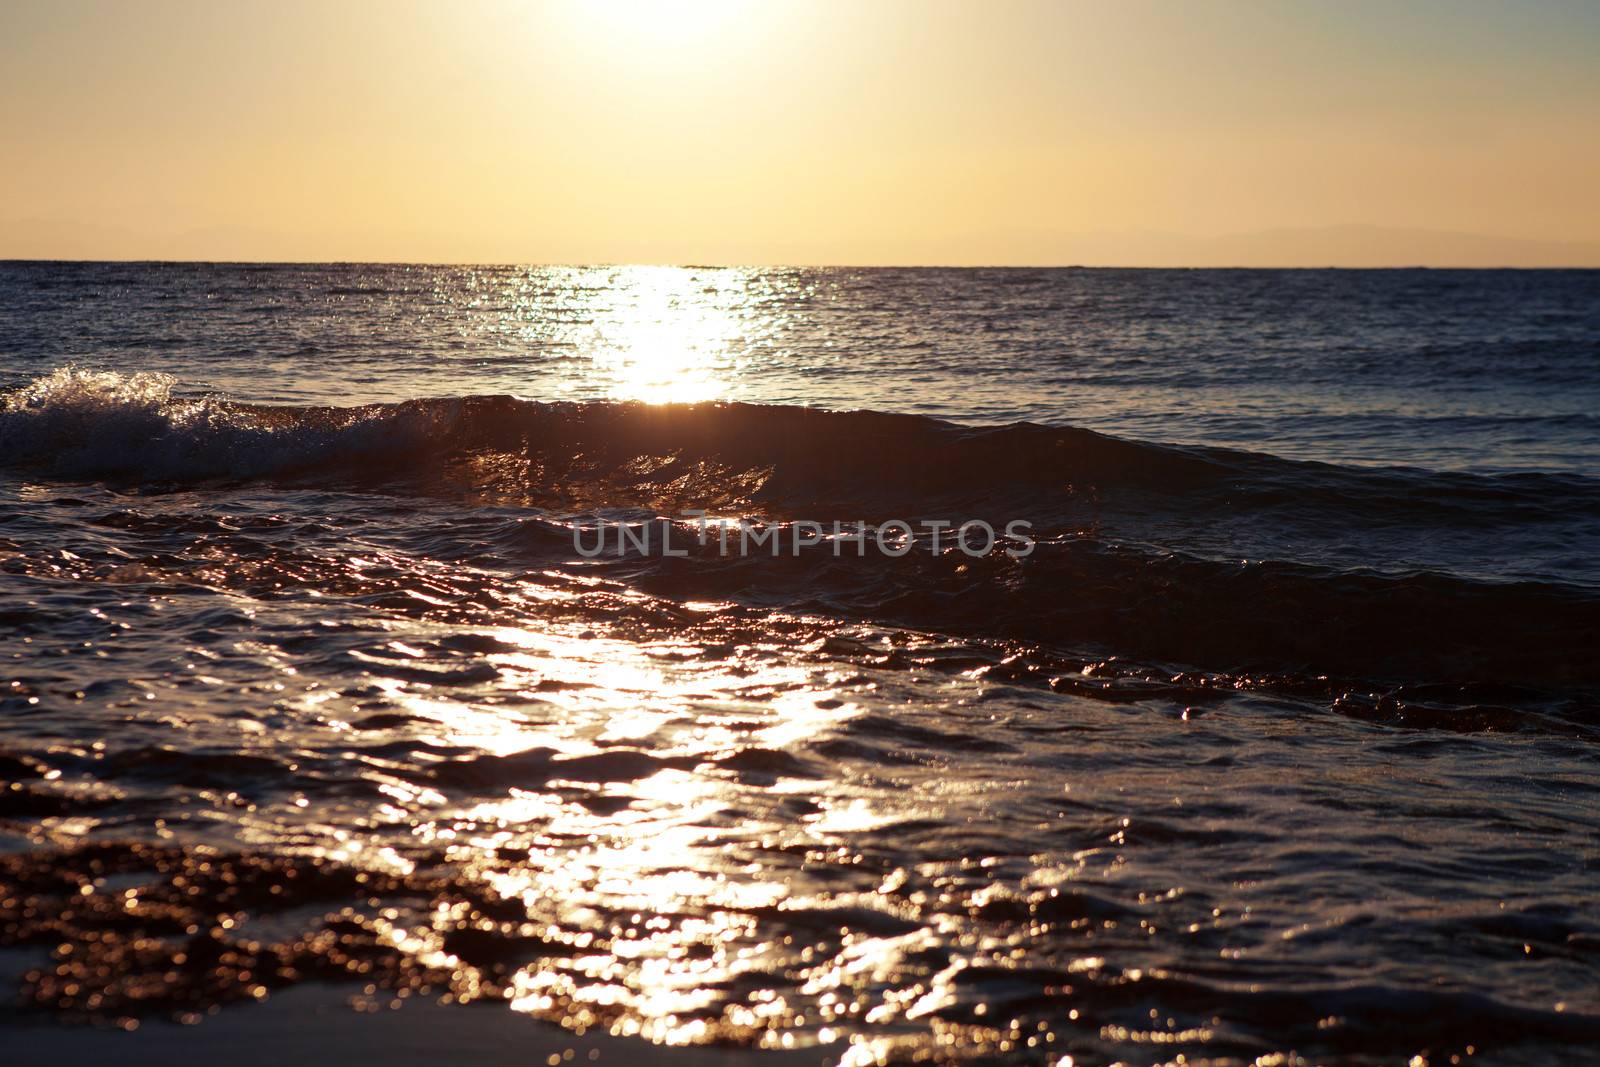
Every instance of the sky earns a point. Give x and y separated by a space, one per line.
803 131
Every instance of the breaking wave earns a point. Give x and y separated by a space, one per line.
1182 556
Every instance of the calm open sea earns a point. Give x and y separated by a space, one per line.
1273 730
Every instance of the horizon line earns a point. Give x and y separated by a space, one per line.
777 265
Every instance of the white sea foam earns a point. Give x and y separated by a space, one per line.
95 422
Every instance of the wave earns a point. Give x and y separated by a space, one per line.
1327 628
103 424
80 423
87 423
785 462
1223 559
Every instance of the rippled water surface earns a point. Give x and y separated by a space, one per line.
1275 735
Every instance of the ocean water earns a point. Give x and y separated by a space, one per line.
1270 728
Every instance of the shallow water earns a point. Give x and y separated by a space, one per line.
1266 745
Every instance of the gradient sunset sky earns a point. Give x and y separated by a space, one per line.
802 131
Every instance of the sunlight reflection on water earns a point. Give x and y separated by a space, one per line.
661 334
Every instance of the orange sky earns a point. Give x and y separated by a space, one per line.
823 131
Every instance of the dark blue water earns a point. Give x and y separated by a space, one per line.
1271 730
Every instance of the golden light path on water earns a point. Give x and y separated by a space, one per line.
638 819
669 335
657 845
643 858
665 335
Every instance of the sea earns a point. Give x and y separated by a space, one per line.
881 665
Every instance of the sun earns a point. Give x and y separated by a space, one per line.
667 24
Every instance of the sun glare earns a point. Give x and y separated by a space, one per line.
666 24
667 342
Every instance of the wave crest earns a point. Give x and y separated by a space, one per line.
78 422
